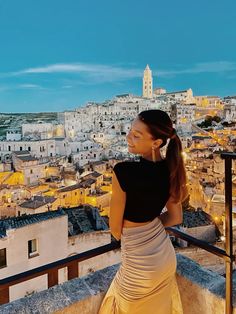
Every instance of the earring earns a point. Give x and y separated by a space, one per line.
153 154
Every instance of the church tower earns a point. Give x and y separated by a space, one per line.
147 82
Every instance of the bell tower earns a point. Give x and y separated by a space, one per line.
147 82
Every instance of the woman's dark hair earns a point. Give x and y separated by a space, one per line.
161 127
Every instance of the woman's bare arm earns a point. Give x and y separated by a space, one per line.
117 207
174 215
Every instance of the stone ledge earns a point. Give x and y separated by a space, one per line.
77 292
202 277
202 291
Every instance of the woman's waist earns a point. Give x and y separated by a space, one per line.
131 224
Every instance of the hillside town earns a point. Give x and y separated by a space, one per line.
56 177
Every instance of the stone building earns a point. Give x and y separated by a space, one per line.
30 241
147 83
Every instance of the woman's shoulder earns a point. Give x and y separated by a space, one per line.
125 165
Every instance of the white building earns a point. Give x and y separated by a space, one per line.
229 112
83 157
41 130
159 91
27 242
75 121
31 168
183 116
185 96
38 148
38 204
13 136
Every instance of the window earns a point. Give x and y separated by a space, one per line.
9 148
3 258
20 147
31 171
29 148
32 248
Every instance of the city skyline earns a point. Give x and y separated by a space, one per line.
57 56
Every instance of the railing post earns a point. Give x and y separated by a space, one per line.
4 294
52 277
73 270
228 235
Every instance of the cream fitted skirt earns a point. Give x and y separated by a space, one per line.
145 282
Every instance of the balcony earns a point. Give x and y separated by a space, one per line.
202 291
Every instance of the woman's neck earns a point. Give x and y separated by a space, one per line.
150 157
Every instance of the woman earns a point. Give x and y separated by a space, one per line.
145 282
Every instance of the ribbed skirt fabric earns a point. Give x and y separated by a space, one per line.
145 282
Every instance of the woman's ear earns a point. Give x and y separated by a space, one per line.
157 143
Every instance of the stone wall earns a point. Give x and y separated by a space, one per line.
205 233
202 292
200 256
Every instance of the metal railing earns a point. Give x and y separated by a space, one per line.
72 262
226 254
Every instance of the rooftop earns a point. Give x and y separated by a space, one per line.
196 218
177 92
201 137
97 162
21 152
22 221
84 219
83 184
93 174
38 201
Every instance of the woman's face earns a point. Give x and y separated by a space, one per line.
139 139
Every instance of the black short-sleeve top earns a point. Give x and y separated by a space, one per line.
147 186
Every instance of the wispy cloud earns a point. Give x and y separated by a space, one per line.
203 67
96 72
20 86
99 73
67 86
29 86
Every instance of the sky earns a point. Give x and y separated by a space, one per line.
56 55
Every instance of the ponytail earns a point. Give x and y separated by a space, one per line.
175 162
161 127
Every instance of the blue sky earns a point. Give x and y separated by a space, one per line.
57 55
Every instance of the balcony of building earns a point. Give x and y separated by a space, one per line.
202 291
